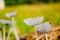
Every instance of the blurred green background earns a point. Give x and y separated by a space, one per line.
16 2
50 9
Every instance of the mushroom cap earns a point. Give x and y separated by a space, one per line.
44 28
34 21
11 14
5 22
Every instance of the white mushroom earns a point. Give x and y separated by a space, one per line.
34 21
44 28
11 14
5 22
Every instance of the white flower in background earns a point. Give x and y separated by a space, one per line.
5 22
44 28
11 14
34 21
2 6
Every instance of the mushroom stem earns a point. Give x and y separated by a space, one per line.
3 32
46 36
36 34
13 21
9 33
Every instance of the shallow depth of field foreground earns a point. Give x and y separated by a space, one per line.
50 12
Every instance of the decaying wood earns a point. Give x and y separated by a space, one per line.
54 34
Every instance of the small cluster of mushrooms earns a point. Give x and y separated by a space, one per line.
43 31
